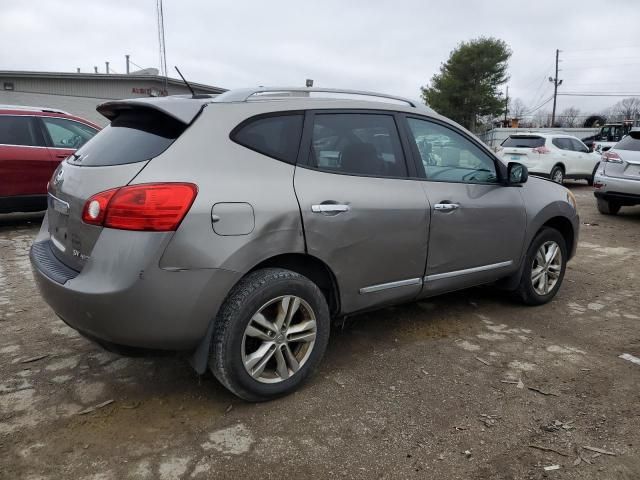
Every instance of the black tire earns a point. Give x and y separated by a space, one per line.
557 174
525 290
607 207
245 300
590 180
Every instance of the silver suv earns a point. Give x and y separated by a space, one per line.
235 228
617 180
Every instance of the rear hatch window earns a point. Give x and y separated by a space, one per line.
630 142
522 141
133 136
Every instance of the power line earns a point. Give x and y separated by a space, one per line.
538 107
619 47
578 94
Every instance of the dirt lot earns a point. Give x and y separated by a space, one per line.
458 387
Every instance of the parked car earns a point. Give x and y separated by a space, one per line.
233 229
33 141
617 180
551 155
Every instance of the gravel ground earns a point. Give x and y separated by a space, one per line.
458 387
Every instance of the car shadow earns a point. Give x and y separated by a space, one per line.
21 219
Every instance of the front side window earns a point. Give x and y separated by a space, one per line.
18 130
447 156
357 144
67 133
578 146
275 136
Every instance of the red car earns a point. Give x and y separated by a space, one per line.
33 141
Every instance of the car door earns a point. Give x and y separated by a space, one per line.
362 213
567 155
585 161
24 159
478 224
64 137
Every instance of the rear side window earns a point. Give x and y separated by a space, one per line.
133 136
19 130
630 142
563 143
522 141
275 136
357 144
67 133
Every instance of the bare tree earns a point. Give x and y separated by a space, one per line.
569 117
627 108
542 118
517 108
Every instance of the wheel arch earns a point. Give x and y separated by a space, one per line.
565 227
311 267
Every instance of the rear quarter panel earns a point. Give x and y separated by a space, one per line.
227 172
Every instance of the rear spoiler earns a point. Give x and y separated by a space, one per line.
183 109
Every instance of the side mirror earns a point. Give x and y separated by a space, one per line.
516 173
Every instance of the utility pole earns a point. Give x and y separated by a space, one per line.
556 84
506 106
127 59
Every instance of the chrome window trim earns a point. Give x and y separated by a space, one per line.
466 271
385 286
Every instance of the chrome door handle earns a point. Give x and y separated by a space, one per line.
446 206
330 208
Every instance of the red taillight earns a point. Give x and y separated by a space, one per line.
542 149
157 207
611 157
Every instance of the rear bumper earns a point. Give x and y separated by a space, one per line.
623 190
123 297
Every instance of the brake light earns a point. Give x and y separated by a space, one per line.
542 149
157 207
611 157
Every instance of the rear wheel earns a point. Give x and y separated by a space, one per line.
270 334
608 207
557 174
544 268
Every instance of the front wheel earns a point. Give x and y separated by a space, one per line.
544 268
270 334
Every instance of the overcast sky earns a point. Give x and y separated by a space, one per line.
392 46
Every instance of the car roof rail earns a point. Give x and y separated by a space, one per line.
270 93
33 109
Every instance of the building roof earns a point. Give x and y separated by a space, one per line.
108 76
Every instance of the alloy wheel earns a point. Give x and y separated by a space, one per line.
279 339
546 267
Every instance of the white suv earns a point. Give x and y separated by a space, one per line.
556 156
